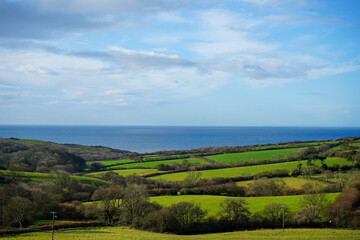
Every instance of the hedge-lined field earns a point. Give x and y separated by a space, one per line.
126 172
153 164
331 162
291 182
111 162
255 155
39 177
212 203
231 172
112 233
249 170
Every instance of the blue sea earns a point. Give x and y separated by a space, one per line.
155 138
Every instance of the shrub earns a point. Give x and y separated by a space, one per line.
267 187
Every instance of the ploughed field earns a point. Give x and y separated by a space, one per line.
112 233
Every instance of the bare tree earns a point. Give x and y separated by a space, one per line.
18 211
187 213
312 204
235 211
192 179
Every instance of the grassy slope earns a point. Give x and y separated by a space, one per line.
256 155
39 177
212 203
111 162
292 182
112 233
126 172
335 161
249 170
230 172
152 164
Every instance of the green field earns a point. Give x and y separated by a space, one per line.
337 177
231 172
330 162
152 164
291 182
248 170
154 157
112 233
39 177
127 172
111 162
212 203
255 155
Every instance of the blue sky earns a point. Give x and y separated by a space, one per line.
169 62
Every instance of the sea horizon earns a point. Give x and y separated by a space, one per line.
147 139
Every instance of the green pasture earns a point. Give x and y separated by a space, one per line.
331 162
297 144
112 233
154 157
231 172
291 182
127 172
111 162
338 176
354 144
249 170
254 155
153 164
212 203
39 177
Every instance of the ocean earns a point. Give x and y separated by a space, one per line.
146 139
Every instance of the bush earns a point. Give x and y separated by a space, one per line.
267 187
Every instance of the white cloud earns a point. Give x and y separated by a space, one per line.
79 80
238 43
110 6
228 32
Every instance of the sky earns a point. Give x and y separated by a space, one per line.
181 63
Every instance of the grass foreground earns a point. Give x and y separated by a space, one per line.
112 233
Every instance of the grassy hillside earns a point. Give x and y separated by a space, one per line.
39 177
152 164
126 172
255 155
111 162
249 170
292 182
330 162
231 172
212 203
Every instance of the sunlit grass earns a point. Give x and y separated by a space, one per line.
112 233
